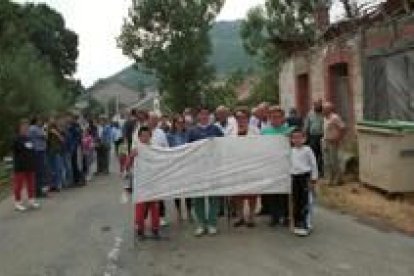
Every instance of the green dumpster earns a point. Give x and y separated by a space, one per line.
386 155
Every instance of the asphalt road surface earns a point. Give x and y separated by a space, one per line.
87 231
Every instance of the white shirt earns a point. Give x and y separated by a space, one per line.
159 138
230 128
303 161
254 121
116 134
265 125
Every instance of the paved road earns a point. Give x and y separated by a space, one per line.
87 231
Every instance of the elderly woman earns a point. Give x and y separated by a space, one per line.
178 136
245 129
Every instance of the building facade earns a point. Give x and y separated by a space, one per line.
336 68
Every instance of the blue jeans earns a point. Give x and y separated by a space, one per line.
68 173
57 168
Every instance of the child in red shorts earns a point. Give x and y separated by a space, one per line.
141 208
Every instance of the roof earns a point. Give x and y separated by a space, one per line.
147 103
370 14
106 90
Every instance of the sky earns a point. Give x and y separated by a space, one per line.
98 23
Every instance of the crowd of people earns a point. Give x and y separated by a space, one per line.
321 126
67 151
53 154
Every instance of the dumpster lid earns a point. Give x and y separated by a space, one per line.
400 126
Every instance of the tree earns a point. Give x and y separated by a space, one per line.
224 92
279 24
271 31
30 84
46 30
171 39
27 87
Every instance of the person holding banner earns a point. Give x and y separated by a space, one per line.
277 204
304 170
159 139
244 129
205 130
178 136
144 136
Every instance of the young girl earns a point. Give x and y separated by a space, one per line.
144 135
87 153
24 168
304 172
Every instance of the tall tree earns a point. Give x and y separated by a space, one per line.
29 81
57 44
170 38
272 30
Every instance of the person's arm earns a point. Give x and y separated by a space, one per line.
219 132
191 136
313 164
163 139
339 123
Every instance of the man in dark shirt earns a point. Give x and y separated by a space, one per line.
204 129
129 128
24 167
294 120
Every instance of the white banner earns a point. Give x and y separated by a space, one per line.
216 167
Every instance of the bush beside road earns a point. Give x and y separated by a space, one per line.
5 171
371 206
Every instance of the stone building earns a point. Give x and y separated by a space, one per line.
365 67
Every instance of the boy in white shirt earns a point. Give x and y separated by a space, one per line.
304 172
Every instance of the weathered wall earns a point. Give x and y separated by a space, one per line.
349 49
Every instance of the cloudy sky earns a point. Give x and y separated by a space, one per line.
98 23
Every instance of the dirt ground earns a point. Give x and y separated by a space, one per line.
370 205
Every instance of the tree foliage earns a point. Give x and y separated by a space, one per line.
46 30
30 82
224 92
171 38
270 30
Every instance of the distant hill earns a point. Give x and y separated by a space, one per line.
228 52
228 56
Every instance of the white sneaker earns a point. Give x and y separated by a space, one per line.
199 231
163 222
212 230
33 204
301 232
18 206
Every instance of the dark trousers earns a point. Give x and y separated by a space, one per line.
315 144
276 205
187 204
40 172
77 174
162 208
300 195
102 154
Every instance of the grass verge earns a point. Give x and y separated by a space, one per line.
370 205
